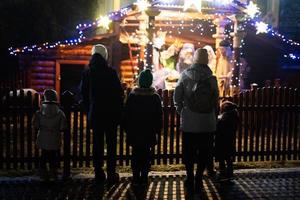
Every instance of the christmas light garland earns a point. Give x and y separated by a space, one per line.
251 9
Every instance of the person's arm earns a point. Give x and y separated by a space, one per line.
63 122
85 89
119 95
127 114
36 121
179 95
215 94
159 114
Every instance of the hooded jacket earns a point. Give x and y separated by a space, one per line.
191 121
50 121
143 116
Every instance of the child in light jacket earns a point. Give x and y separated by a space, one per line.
50 121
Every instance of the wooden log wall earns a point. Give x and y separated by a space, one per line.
42 75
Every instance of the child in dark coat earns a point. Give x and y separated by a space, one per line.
142 121
225 138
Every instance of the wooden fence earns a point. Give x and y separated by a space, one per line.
268 131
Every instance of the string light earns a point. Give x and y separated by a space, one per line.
104 22
252 10
261 27
142 5
292 56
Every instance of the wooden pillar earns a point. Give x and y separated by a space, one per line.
142 34
221 23
238 36
151 12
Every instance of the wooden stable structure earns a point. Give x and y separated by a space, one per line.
126 43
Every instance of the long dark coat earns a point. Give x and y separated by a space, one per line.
102 93
226 134
143 117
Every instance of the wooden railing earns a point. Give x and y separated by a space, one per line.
268 130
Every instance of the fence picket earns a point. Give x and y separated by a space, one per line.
29 131
81 136
172 128
269 96
279 123
166 125
22 142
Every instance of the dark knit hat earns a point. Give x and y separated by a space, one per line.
224 43
145 78
50 96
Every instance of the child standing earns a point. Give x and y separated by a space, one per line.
49 121
225 138
142 121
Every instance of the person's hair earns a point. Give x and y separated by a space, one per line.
201 56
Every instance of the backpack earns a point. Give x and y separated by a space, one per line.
201 99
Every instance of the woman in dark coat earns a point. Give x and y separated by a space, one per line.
143 121
225 138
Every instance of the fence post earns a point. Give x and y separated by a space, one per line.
67 101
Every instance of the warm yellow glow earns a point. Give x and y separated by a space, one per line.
252 9
104 22
142 5
189 3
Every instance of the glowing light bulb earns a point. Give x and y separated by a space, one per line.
252 9
104 22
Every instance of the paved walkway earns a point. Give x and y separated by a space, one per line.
248 184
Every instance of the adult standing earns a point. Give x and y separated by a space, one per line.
103 97
198 125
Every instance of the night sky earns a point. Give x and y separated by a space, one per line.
28 22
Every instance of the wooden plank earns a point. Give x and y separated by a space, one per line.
29 132
35 106
22 133
296 146
128 154
269 97
81 134
290 123
263 123
166 111
88 144
258 116
121 145
279 124
159 136
75 139
8 131
252 125
246 126
172 127
178 151
274 123
15 131
285 122
240 126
